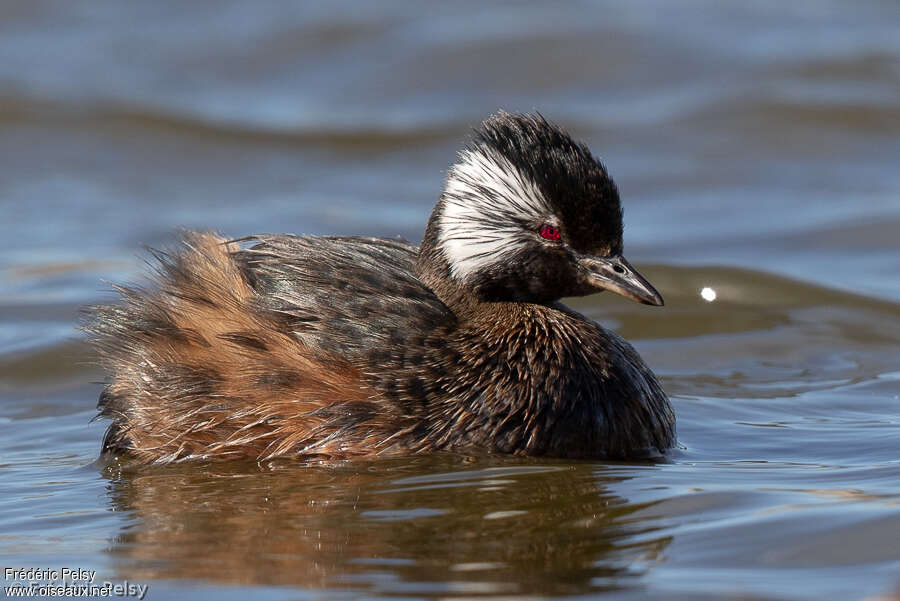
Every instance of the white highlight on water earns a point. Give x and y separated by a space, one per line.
708 294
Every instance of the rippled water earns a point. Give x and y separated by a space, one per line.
756 149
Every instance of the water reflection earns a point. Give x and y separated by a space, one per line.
452 524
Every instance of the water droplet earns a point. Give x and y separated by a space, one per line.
708 294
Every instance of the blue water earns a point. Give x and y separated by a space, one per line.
756 149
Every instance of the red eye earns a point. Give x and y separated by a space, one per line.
548 232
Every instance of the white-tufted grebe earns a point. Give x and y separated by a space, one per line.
335 347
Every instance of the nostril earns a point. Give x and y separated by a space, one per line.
618 269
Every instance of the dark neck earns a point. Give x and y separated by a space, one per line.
434 270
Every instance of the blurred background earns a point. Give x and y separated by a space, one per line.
756 147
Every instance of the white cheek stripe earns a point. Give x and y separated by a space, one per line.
486 200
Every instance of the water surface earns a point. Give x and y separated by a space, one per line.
756 151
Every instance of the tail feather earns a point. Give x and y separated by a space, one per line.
198 369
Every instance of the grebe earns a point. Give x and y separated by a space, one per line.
336 347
